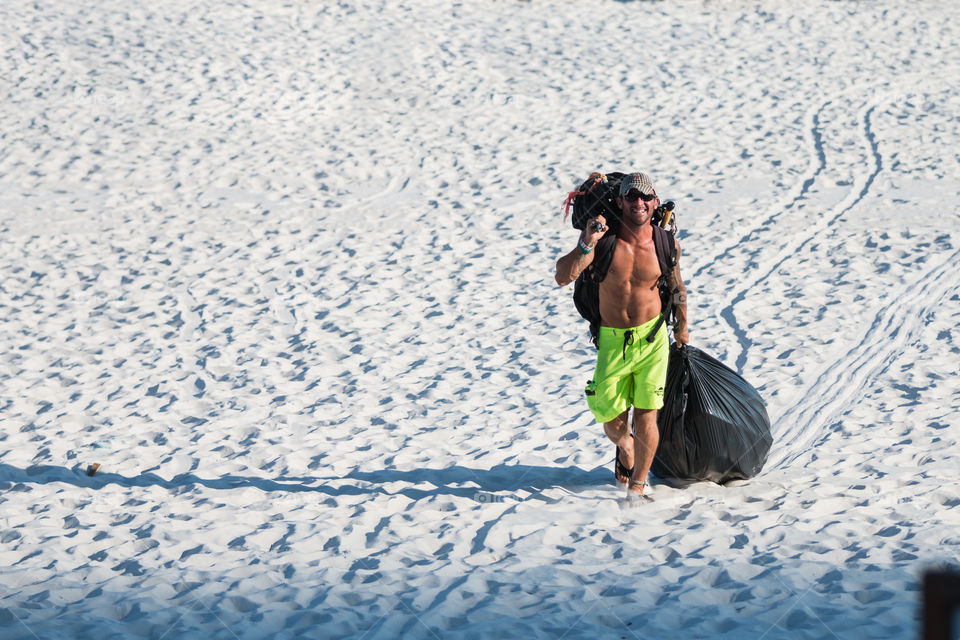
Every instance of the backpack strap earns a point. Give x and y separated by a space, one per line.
598 271
601 262
666 250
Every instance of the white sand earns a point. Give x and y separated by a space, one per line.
285 271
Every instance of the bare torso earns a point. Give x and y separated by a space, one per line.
628 294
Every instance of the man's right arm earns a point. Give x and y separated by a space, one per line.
570 266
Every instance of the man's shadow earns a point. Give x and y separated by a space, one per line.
417 484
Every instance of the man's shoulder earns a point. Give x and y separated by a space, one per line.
659 231
607 244
665 236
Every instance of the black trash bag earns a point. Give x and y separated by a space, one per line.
713 425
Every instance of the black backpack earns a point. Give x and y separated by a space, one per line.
596 197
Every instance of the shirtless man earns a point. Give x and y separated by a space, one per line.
630 370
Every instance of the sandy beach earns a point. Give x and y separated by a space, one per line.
285 271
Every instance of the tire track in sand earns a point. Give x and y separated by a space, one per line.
788 442
817 164
897 326
795 243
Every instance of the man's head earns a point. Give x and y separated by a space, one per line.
637 185
638 198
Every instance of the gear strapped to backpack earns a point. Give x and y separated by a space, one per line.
596 196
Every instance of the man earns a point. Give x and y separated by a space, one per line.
630 370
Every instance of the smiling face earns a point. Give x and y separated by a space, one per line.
638 207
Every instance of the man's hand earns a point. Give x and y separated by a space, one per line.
591 237
681 336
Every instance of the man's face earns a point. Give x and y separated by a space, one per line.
638 207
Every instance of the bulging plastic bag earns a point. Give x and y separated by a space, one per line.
713 425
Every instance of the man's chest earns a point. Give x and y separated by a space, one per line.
635 263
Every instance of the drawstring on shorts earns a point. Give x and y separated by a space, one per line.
627 341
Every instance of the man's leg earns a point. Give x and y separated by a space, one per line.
618 430
645 441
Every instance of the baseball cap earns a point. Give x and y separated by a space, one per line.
640 181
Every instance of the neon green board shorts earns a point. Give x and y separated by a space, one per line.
630 371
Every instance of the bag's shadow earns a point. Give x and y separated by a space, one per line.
417 484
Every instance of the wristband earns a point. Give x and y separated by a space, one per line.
584 248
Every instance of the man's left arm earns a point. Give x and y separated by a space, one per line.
675 281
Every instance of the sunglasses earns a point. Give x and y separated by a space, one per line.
633 196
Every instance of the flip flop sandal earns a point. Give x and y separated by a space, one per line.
619 469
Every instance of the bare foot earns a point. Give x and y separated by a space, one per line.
636 500
636 491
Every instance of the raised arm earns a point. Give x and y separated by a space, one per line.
570 266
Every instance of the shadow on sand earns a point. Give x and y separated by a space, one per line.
416 484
